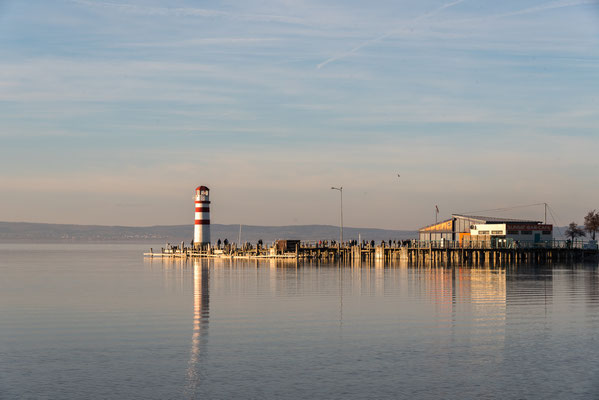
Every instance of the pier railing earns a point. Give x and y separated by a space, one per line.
455 244
502 244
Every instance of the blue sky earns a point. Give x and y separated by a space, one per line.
112 112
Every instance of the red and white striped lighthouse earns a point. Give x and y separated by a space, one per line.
201 228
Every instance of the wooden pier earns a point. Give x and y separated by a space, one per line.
413 252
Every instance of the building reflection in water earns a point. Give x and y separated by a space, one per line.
201 316
459 295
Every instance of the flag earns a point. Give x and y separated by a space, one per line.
437 208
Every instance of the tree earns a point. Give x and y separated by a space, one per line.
574 231
591 223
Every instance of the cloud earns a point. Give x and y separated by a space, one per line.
58 79
546 7
482 20
189 12
214 41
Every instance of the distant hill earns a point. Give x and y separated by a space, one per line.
11 232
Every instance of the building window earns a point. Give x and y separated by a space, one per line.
527 232
483 232
546 232
497 232
513 232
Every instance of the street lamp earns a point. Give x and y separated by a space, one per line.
340 189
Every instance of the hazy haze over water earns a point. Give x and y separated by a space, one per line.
99 321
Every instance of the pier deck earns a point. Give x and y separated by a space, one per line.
414 252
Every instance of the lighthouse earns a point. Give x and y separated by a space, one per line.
201 227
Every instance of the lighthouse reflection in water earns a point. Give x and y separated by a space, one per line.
201 314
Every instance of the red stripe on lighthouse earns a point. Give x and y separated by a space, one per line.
202 209
202 222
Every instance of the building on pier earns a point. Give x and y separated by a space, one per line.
467 227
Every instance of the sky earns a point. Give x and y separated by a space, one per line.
112 112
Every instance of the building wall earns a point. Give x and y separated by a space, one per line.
427 236
441 230
462 225
451 229
517 232
531 237
489 229
530 232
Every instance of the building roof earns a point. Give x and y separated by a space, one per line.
496 220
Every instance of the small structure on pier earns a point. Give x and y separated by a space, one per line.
287 246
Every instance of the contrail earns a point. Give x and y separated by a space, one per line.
340 56
443 7
530 10
386 35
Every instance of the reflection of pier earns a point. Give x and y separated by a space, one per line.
201 314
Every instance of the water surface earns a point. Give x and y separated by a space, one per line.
99 321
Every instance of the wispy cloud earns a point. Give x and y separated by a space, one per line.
214 41
189 12
482 19
547 7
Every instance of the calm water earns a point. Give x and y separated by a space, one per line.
99 322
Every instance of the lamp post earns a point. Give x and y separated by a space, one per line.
340 189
